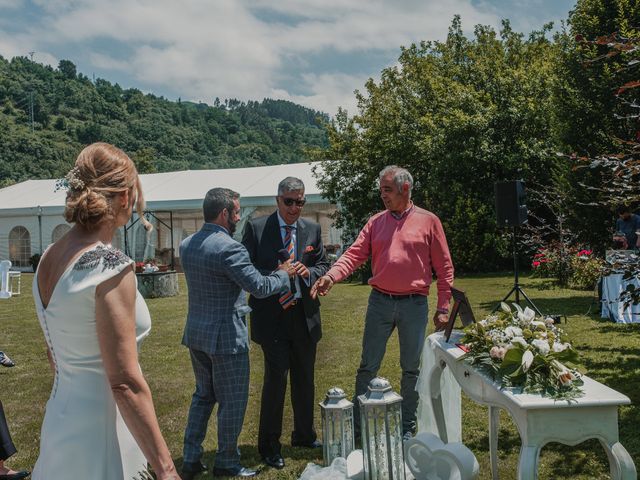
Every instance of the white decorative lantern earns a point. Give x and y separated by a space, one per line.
337 425
381 424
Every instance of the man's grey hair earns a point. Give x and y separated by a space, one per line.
290 184
400 176
216 200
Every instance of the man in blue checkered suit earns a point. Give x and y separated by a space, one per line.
217 269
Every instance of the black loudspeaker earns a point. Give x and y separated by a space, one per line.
511 208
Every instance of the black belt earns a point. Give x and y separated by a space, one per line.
398 297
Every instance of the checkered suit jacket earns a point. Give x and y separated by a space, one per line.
217 269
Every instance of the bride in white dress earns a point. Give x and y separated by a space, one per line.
100 423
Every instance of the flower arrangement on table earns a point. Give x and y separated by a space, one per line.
149 265
519 350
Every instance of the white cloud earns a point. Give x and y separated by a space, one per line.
356 26
9 47
201 49
10 4
335 89
21 45
187 47
106 62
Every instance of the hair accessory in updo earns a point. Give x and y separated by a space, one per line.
71 181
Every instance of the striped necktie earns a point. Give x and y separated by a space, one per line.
286 299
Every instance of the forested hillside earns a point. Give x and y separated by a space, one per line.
70 111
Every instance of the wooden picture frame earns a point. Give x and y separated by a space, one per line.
462 307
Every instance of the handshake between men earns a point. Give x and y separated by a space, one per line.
294 268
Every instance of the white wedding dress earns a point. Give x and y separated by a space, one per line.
83 434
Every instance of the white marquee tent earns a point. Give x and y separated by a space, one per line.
31 211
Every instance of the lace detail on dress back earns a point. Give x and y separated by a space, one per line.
111 258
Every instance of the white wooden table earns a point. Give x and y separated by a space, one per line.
539 420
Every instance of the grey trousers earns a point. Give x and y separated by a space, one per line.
409 316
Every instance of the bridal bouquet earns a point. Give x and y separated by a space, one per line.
521 351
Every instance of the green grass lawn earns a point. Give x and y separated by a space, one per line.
611 353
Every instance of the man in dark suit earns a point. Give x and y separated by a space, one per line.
217 269
287 327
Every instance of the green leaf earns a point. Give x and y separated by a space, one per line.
513 356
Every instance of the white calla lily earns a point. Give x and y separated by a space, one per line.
528 315
560 347
527 360
566 377
518 308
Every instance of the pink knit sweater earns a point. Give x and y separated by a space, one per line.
403 252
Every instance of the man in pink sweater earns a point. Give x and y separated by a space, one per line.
406 243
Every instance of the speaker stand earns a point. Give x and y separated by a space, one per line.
517 289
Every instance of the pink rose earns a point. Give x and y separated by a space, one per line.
497 352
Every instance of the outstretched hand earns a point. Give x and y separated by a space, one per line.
321 287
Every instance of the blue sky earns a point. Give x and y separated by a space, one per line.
313 52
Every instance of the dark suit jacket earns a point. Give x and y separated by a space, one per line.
262 239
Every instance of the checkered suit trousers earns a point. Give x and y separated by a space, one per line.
222 379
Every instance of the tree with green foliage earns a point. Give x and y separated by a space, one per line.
459 115
587 107
145 160
619 170
68 69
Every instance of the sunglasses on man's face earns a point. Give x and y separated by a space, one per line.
290 201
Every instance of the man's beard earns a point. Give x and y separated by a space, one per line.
232 227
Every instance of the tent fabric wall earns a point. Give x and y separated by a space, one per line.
35 205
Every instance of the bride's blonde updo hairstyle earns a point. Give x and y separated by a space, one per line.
101 171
